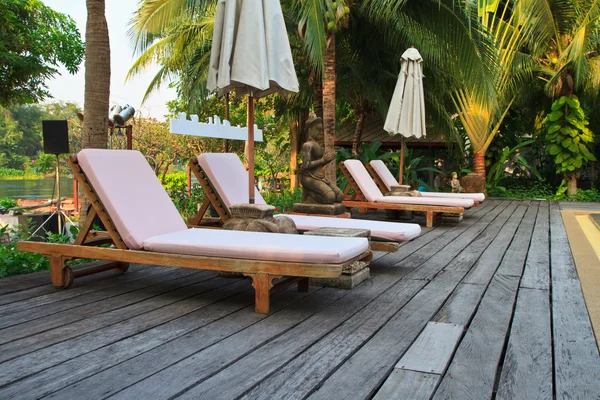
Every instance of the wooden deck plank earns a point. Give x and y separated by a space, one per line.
475 239
110 369
48 294
537 267
527 367
461 305
403 384
576 358
433 348
199 374
487 265
34 337
432 235
472 372
71 310
155 312
514 258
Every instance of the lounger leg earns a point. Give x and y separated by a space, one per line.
262 283
429 216
303 285
61 275
362 210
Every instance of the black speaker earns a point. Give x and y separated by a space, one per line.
56 136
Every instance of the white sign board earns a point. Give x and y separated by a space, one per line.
214 128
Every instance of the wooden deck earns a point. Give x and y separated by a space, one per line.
489 308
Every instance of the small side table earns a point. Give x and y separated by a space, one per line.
352 275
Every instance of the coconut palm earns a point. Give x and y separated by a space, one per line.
97 76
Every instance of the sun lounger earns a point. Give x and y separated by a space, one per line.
367 195
385 181
224 179
144 227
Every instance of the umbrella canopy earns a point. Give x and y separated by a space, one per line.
406 115
251 54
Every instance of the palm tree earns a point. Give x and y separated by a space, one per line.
97 77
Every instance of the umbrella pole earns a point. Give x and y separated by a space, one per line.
227 118
250 125
401 161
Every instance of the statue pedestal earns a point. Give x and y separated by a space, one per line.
352 275
322 210
398 190
473 183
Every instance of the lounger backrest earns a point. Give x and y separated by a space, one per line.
363 179
229 178
384 173
131 193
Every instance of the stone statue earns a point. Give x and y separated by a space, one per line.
316 189
455 184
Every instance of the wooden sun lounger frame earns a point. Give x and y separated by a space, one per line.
212 197
359 201
382 186
262 273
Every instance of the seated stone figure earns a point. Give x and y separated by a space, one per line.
455 184
316 189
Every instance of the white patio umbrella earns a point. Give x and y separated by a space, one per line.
406 115
251 54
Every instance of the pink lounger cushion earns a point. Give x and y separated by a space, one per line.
394 231
374 195
259 246
229 177
388 179
131 193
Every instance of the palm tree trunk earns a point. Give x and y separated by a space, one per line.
360 125
479 163
329 106
318 97
571 184
97 83
97 77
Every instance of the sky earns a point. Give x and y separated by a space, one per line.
70 88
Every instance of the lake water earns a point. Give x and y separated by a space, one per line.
35 189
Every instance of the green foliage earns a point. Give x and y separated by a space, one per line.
174 181
35 40
7 202
567 135
8 174
14 262
591 195
519 164
282 201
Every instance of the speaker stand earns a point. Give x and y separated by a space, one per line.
58 212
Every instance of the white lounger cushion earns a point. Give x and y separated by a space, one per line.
229 178
259 246
427 201
363 179
388 179
131 193
395 231
373 194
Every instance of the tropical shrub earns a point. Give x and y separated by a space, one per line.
283 201
567 138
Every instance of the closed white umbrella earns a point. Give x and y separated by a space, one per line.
251 54
406 115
